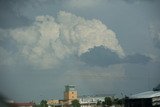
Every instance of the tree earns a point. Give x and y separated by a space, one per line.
99 102
75 103
43 103
118 101
103 104
108 101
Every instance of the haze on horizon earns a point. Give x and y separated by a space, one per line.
101 46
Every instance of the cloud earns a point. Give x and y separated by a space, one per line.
99 56
4 56
137 58
133 1
49 40
83 5
10 16
155 33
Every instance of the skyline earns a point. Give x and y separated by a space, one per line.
101 46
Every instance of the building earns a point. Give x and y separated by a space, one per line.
91 101
70 93
145 99
53 103
22 104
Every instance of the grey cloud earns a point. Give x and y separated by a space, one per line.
132 1
156 41
155 34
46 42
99 56
7 43
137 58
10 16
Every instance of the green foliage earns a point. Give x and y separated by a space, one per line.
75 103
108 101
118 101
43 103
99 103
103 104
37 106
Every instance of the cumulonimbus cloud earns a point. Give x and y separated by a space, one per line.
50 39
99 56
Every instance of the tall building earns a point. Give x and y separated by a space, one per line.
70 93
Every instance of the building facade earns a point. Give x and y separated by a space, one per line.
70 93
145 99
91 101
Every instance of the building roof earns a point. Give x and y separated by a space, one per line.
148 94
21 104
98 95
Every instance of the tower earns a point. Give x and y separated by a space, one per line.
70 93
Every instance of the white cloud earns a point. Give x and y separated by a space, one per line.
87 33
49 40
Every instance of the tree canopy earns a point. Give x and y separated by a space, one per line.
108 101
43 103
75 103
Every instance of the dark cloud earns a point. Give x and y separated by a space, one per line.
132 1
10 16
99 56
136 58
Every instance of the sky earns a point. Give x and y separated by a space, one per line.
100 46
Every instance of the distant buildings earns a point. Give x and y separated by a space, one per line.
53 103
30 104
90 101
71 94
12 103
145 99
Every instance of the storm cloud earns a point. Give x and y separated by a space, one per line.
99 56
101 46
49 40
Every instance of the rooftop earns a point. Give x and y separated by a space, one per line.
148 94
